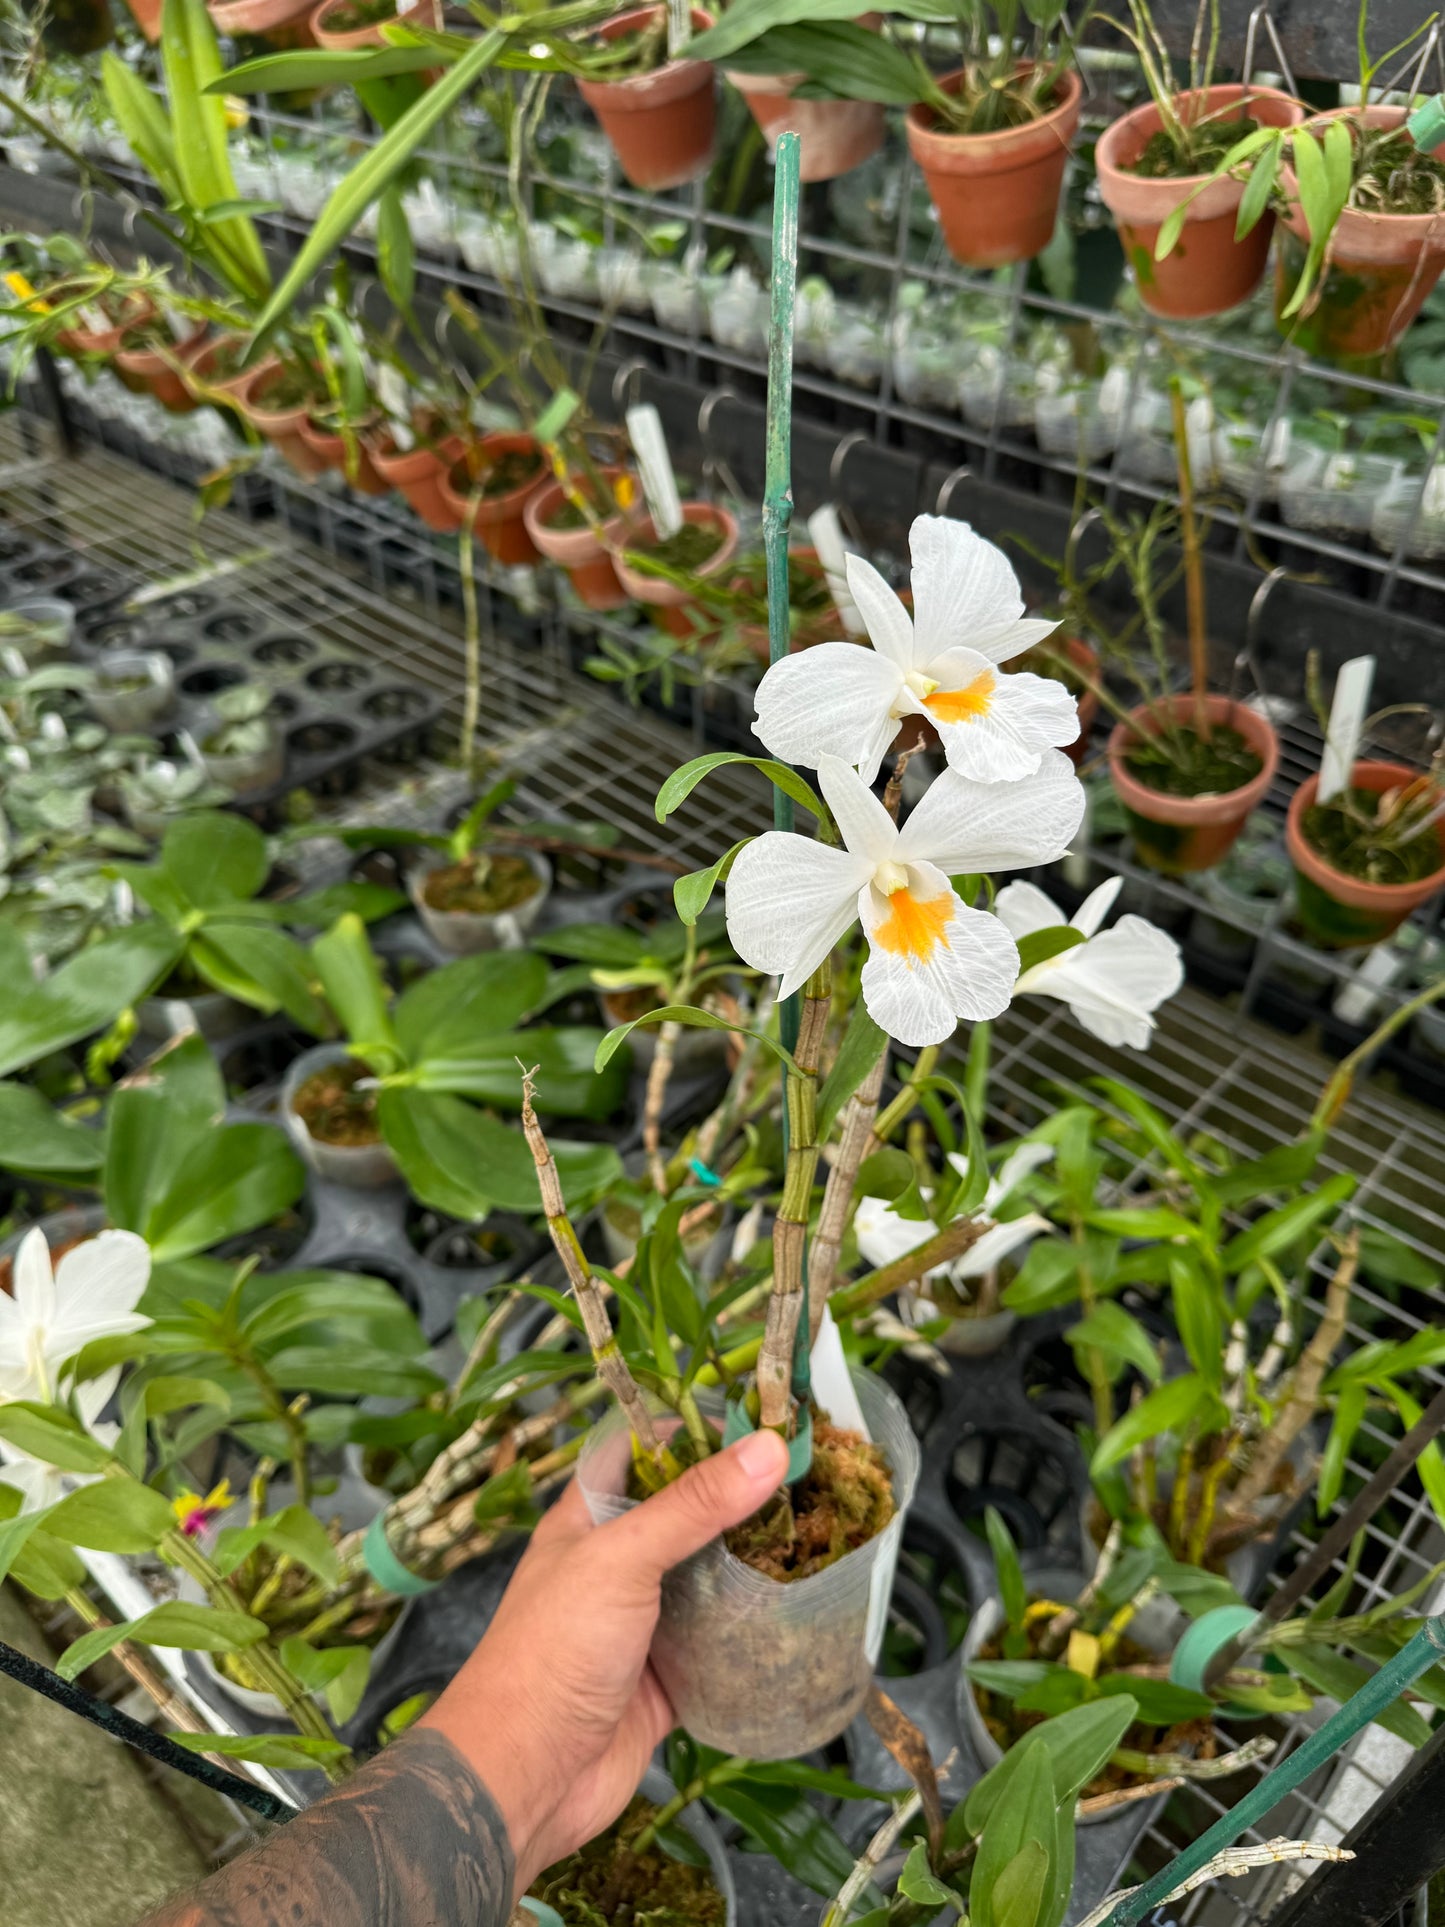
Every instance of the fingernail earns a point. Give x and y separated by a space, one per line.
763 1456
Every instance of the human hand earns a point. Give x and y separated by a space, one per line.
557 1710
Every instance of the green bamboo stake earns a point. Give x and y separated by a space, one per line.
1423 1651
777 523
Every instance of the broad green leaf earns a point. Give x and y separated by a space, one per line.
286 1752
1183 1402
192 62
747 19
489 1069
1077 1744
263 967
1008 1677
112 1515
681 784
294 1531
1278 1170
340 1672
1330 1673
1277 1230
1047 1278
784 1823
235 1178
458 1160
1199 1312
85 993
351 978
1158 1702
36 1139
157 1117
142 120
1260 185
603 944
1018 1892
199 1629
346 1369
215 857
1040 946
444 1012
1143 1221
1025 1810
173 1393
918 1881
1118 1334
288 1301
46 1433
13 1535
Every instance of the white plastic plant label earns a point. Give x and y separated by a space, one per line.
679 27
825 532
1347 723
1277 444
391 392
833 1382
659 484
1433 500
1357 1002
177 325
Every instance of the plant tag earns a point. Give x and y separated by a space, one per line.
1276 444
177 325
1433 500
832 1381
659 484
679 27
1347 723
1357 1002
556 415
392 393
1082 1656
1426 126
825 532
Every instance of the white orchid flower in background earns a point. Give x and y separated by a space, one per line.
92 1293
838 699
932 960
883 1235
40 1484
1114 980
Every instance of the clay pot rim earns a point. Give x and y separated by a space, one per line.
1222 197
415 462
235 16
922 128
290 420
1187 811
1356 893
344 37
583 542
1405 228
652 589
619 92
495 508
150 360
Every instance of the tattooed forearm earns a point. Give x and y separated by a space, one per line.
414 1840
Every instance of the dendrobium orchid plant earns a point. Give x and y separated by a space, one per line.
942 664
1112 980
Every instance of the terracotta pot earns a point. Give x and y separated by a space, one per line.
417 475
289 17
330 450
1178 834
204 360
282 427
835 135
1380 267
661 125
1085 658
107 341
498 519
1340 911
670 603
157 373
823 627
147 16
426 13
1207 271
587 560
997 195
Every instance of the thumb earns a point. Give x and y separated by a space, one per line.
721 1492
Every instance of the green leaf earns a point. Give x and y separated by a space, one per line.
1143 1221
694 1019
1009 1572
1039 946
1169 1408
506 1495
747 19
460 1161
345 1369
1349 1411
603 944
199 1629
340 1672
1118 1334
681 784
691 894
786 1825
444 1012
845 60
1199 1314
489 1070
1158 1702
366 180
296 1532
85 994
1077 1744
192 62
1047 1278
1279 1170
918 1881
287 1752
1150 1122
1277 1230
262 967
13 1535
395 260
156 1117
36 1139
235 1178
143 121
297 1298
46 1433
299 72
1258 188
352 980
1018 1892
1026 1810
1328 1672
215 857
112 1515
863 1044
173 1393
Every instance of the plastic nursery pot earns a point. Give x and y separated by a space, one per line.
661 125
754 1666
497 519
291 18
1207 271
671 603
133 689
1338 910
835 135
997 195
282 427
587 560
1180 834
961 1337
1380 267
425 13
462 933
251 770
55 625
417 475
354 466
359 1166
210 1012
158 374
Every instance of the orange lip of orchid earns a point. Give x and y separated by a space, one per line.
914 927
962 705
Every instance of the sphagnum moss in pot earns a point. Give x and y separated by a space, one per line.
242 749
630 1876
330 1111
490 484
1370 856
660 111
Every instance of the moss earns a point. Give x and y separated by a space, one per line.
694 544
483 885
642 50
288 388
333 1110
1184 764
845 1500
1164 160
358 13
1351 837
603 1885
506 474
1394 177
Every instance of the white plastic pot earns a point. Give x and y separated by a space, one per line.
132 711
361 1167
460 933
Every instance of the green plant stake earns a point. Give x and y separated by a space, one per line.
1423 1652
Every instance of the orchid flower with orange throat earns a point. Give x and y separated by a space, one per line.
941 664
932 959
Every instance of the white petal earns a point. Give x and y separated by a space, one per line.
93 1396
831 700
883 1236
966 826
40 1485
967 970
33 1281
1000 1241
889 626
1005 731
100 1283
1096 906
1024 908
1115 981
1005 640
962 584
1017 1166
789 900
863 823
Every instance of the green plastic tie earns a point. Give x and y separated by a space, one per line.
1426 126
384 1566
738 1424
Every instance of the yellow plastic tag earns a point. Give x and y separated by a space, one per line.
1083 1654
236 111
22 290
624 492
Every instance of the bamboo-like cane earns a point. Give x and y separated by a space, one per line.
777 1359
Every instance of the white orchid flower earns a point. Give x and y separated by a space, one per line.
40 1484
932 960
942 663
92 1293
884 1236
1114 980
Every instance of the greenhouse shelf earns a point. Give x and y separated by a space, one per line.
575 750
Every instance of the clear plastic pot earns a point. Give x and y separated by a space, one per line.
1070 424
925 370
256 770
680 300
620 280
1337 492
54 621
361 1167
132 711
738 315
998 387
1242 456
753 1666
1403 507
856 350
462 933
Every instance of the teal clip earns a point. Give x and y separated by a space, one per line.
1426 126
384 1566
702 1173
1201 1640
737 1425
547 1916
